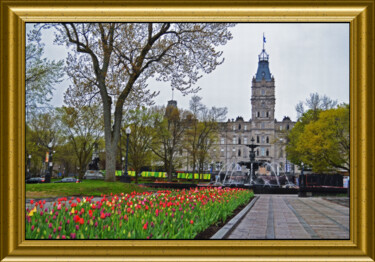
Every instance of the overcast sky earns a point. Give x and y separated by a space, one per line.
304 58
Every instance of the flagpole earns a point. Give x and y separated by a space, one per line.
263 40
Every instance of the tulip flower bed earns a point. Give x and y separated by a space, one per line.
148 215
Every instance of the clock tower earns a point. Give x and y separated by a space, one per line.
263 93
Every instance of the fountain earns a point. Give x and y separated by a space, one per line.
235 177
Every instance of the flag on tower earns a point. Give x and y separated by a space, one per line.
264 39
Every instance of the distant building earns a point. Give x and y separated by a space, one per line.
267 132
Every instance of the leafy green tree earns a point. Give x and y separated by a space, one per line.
115 60
202 132
167 143
43 131
141 123
82 128
65 160
41 74
323 142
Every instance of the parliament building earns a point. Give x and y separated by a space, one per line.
266 131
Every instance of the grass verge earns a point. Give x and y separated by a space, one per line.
85 188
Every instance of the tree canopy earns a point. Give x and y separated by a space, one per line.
41 74
115 60
320 139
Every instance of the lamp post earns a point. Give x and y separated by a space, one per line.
302 182
49 164
125 177
28 167
122 165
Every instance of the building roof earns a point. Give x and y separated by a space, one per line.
263 71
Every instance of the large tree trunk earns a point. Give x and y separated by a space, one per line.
110 161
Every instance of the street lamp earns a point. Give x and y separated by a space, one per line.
125 178
28 167
49 163
302 183
122 165
302 179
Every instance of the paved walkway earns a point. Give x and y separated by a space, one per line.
291 217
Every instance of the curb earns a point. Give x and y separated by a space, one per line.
228 227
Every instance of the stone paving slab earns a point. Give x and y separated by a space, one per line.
291 217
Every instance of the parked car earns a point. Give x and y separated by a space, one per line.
35 180
68 180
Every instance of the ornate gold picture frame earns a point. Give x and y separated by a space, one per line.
360 15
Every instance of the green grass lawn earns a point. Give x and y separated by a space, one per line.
85 188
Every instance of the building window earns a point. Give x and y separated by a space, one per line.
222 141
281 127
234 140
263 92
222 152
258 139
287 127
263 140
267 140
263 125
239 152
267 153
234 127
234 150
245 140
257 152
263 113
239 126
262 151
258 114
239 140
267 114
245 127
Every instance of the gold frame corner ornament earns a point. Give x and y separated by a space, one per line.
360 16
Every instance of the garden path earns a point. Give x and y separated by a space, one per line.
291 217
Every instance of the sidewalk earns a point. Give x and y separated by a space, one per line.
291 217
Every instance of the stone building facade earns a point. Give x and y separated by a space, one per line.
266 131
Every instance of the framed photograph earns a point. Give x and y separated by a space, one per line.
357 15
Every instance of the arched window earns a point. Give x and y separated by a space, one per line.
239 152
267 140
